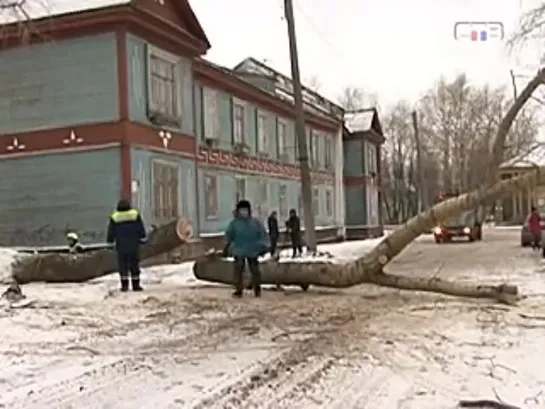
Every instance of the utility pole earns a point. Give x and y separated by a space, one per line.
306 189
420 190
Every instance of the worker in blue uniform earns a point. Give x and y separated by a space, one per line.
126 230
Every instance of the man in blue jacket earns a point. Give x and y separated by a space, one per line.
246 240
126 230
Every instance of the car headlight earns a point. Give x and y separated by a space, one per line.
437 230
467 230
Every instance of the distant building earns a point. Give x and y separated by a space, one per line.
515 208
113 99
362 145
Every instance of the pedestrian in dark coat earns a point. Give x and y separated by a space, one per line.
274 232
246 240
126 230
534 224
293 225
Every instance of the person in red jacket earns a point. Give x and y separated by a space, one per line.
534 224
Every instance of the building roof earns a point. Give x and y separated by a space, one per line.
363 120
52 8
283 88
535 156
35 10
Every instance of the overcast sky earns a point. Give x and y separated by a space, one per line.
394 48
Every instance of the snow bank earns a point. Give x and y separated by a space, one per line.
7 258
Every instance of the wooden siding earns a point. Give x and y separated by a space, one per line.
46 195
59 84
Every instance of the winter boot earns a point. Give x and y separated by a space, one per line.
237 294
257 291
136 285
124 285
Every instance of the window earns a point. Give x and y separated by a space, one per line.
283 202
316 201
316 149
262 137
238 123
263 200
165 191
329 203
282 141
211 197
371 158
163 84
328 152
300 208
210 113
240 189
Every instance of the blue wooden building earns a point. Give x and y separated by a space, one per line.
103 102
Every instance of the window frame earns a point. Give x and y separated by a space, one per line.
239 179
166 205
211 125
316 201
154 106
243 137
329 202
207 214
283 210
262 133
283 149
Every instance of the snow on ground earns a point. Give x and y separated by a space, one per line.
183 344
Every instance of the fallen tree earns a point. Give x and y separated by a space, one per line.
212 267
63 268
369 267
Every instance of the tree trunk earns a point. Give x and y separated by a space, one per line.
65 268
325 274
369 268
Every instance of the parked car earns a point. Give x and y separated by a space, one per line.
465 225
525 234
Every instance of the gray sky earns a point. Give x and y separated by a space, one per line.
394 48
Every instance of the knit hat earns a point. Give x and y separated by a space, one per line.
244 204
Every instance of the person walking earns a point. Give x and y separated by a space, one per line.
293 225
274 232
126 230
246 240
534 224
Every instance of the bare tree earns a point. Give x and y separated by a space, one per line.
352 98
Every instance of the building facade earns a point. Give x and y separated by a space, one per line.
119 103
362 144
515 209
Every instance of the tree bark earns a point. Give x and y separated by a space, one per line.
324 273
66 268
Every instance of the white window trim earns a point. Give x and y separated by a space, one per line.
243 137
262 136
178 168
282 143
173 59
210 113
216 216
244 180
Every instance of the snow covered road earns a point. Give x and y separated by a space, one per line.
185 344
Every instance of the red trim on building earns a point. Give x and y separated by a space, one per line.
61 138
144 135
225 160
363 180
